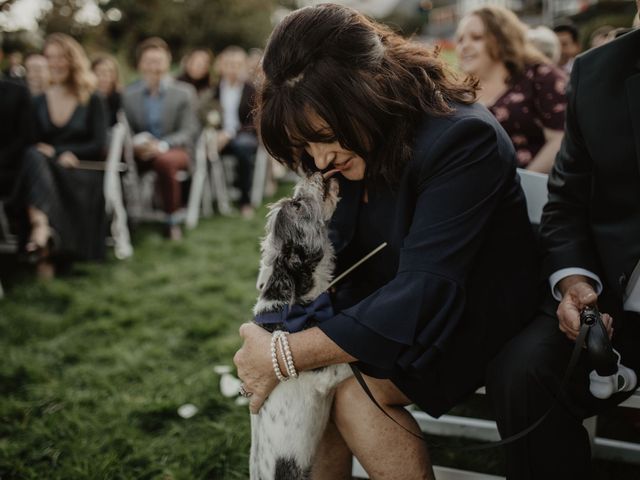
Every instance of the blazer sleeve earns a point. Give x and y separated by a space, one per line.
408 320
22 119
188 125
564 226
94 147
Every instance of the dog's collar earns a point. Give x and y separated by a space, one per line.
296 317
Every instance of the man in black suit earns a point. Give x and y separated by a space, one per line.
237 136
591 234
15 131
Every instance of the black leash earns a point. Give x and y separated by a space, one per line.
575 355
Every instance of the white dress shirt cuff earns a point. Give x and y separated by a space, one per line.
558 275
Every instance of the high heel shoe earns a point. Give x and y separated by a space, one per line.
40 243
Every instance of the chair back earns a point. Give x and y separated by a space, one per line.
534 185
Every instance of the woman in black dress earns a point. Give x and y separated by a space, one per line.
424 168
64 198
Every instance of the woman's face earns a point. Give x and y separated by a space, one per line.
59 65
333 156
471 46
198 65
106 76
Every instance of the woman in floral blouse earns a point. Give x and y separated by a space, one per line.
521 87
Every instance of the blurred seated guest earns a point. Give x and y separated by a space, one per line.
237 135
161 113
197 72
546 41
600 36
197 69
521 87
569 45
16 119
64 201
254 61
37 73
107 72
15 70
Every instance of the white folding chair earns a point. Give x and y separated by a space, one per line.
534 185
261 174
113 197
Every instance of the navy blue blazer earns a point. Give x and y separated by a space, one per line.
460 275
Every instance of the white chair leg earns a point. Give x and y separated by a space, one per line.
260 171
113 196
218 177
197 183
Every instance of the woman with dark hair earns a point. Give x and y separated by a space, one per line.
107 72
518 84
197 69
424 168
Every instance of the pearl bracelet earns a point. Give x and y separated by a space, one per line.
287 357
274 356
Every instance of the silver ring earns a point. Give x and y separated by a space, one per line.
243 392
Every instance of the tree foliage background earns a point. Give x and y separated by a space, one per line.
188 23
118 25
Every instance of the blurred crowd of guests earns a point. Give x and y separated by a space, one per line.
57 108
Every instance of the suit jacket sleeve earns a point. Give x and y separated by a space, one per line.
11 151
404 322
95 146
188 125
565 230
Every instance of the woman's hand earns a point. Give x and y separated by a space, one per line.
46 149
253 362
68 160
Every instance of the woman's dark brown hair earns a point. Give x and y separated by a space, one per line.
371 86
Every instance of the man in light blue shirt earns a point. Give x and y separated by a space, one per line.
162 116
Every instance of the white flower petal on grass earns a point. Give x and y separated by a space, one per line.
242 401
229 385
187 410
222 369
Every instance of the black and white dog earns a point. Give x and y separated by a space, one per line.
296 268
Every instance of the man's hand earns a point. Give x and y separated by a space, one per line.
223 139
147 150
577 293
68 160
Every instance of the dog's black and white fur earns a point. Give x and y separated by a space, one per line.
296 266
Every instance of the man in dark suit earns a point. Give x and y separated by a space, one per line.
15 131
237 137
591 234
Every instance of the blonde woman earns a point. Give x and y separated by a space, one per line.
521 87
64 202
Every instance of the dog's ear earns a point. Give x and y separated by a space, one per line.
302 264
280 284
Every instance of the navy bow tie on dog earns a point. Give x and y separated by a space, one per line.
296 316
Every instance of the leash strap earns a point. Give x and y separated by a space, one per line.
575 355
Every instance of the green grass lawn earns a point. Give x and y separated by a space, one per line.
96 363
